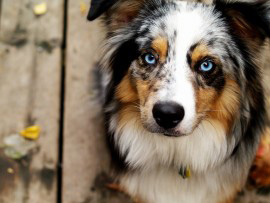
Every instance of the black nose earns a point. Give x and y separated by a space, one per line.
168 114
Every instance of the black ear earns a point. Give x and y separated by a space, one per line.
118 13
98 7
250 20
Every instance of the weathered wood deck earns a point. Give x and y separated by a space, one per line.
45 80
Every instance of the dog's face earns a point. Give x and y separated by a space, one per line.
183 72
176 64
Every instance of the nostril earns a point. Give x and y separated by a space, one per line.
168 114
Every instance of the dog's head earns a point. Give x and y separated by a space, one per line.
175 64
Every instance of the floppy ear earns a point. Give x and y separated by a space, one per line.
98 7
248 20
117 12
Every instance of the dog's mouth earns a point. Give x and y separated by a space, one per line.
173 135
163 132
173 132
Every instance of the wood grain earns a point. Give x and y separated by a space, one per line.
86 161
30 67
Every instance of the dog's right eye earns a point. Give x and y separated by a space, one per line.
149 59
207 66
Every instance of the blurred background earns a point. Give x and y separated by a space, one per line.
52 146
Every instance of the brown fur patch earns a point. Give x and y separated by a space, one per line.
200 52
226 105
242 27
123 12
160 45
143 88
204 98
221 107
125 92
246 31
128 112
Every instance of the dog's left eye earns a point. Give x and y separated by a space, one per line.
207 66
149 59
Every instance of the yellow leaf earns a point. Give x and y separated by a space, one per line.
31 133
188 173
83 7
40 9
10 170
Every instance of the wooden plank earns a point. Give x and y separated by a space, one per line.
0 10
30 68
85 165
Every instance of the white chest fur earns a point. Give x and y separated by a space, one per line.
158 159
166 186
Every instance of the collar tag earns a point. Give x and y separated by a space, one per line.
184 172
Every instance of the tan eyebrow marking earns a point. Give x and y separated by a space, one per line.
199 52
160 45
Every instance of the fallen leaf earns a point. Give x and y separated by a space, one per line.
40 9
31 133
10 170
260 171
83 7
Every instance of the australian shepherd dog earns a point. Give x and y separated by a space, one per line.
184 103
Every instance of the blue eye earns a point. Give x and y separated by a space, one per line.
150 59
207 66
